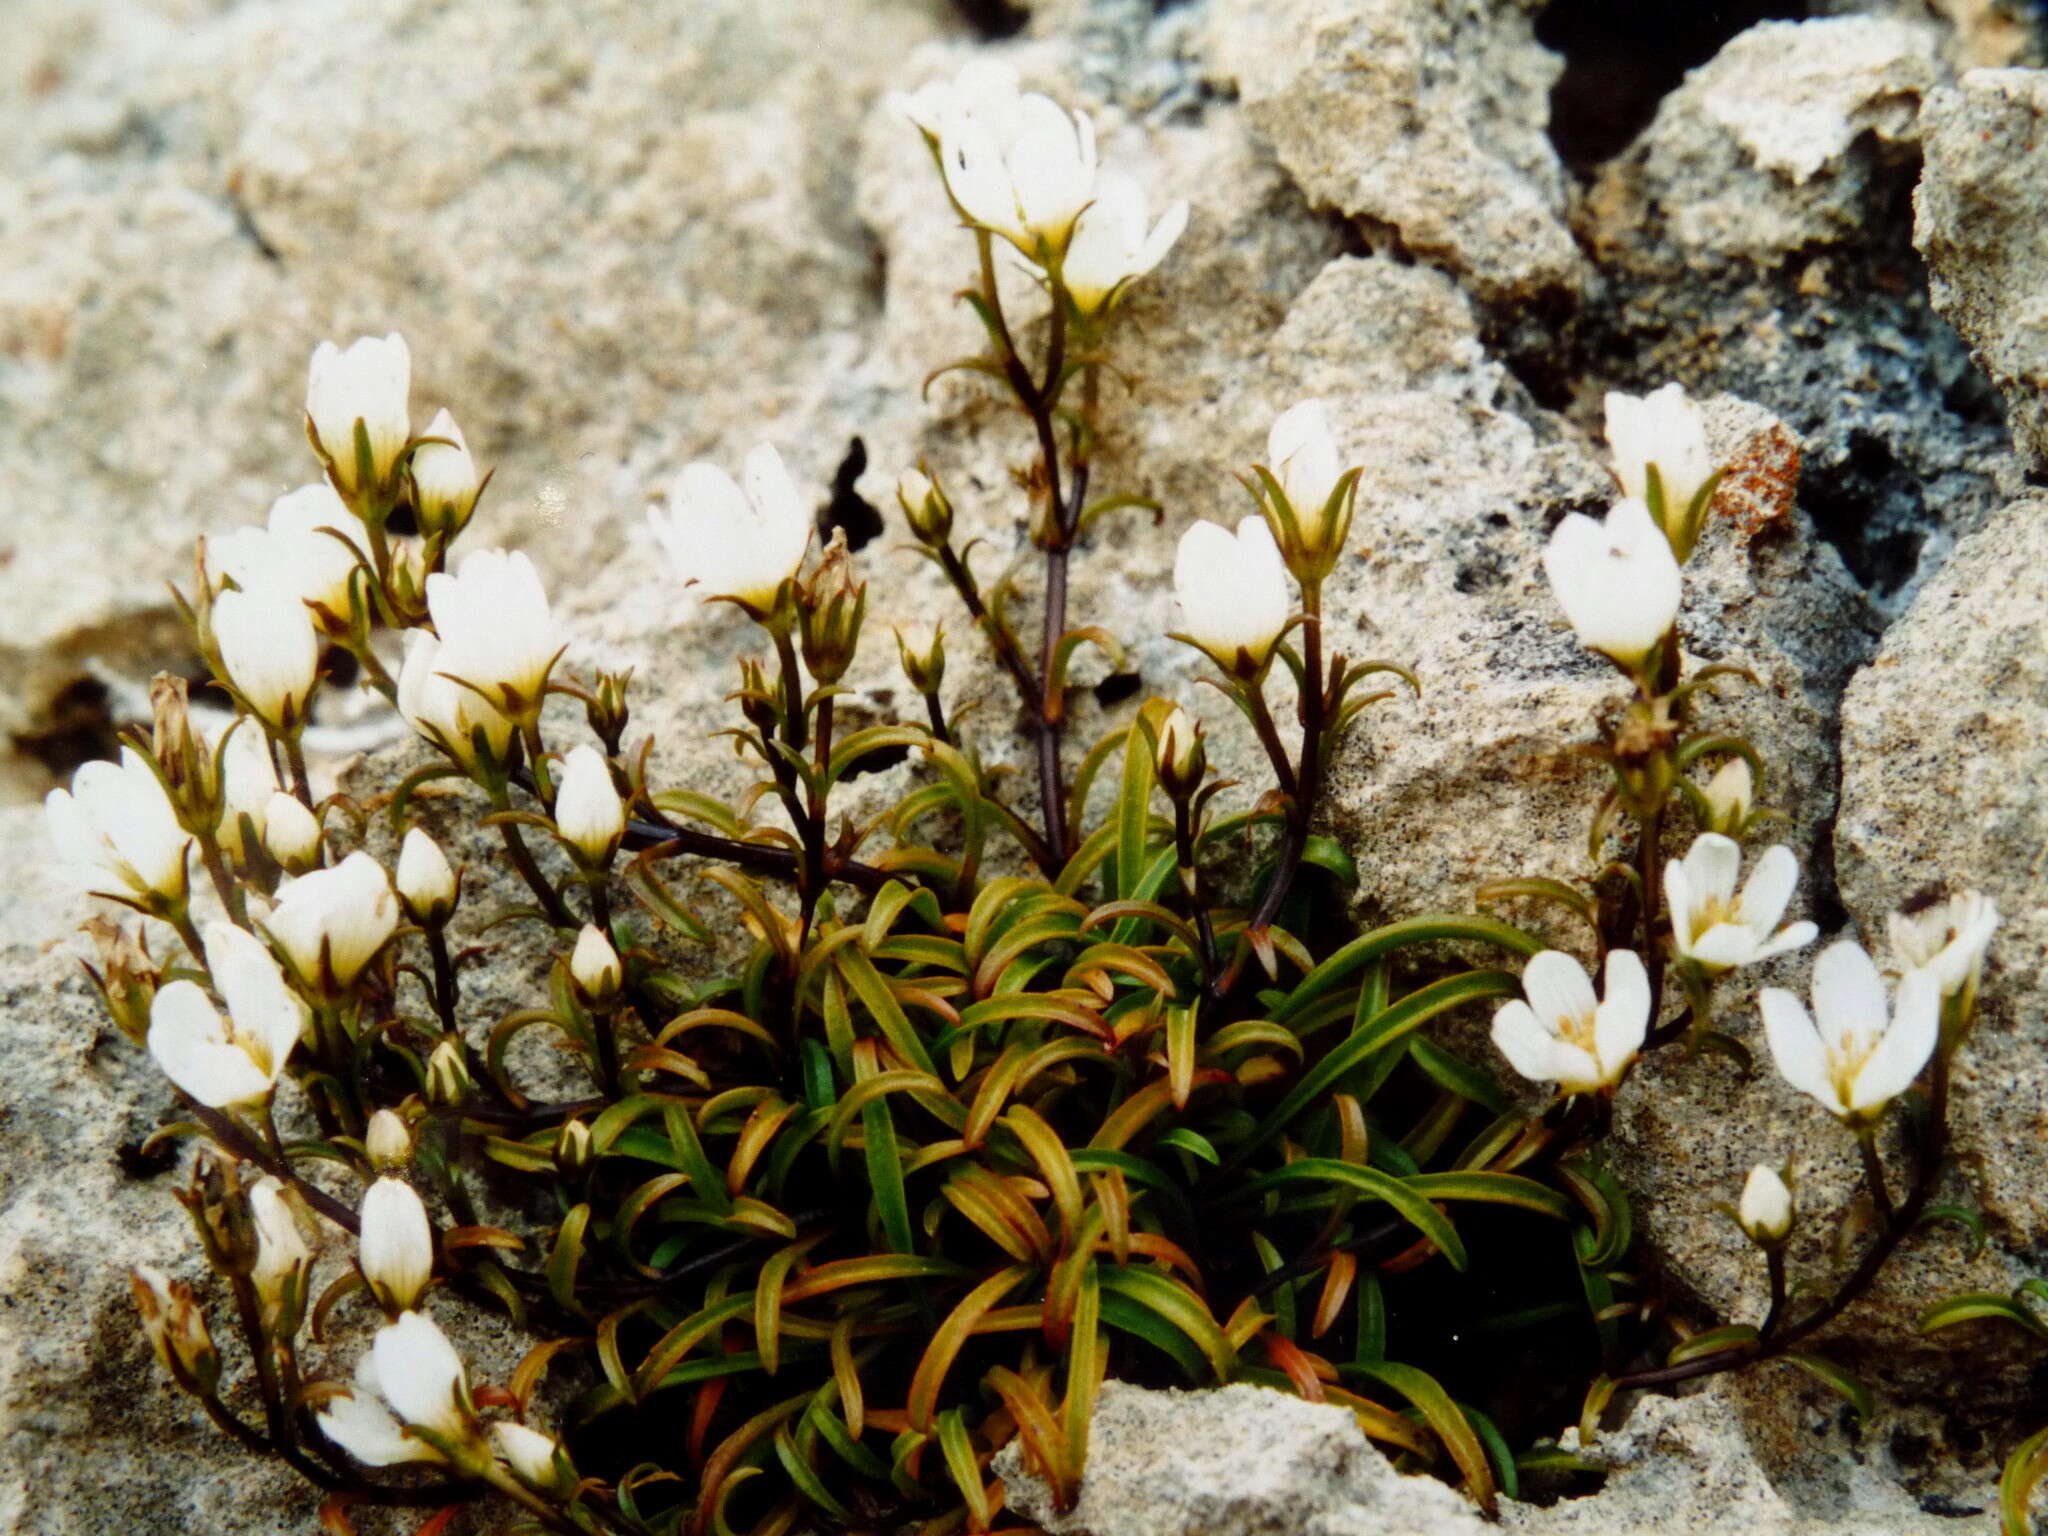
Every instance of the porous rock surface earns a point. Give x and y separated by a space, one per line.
620 237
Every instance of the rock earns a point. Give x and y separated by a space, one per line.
1691 1463
1755 240
1237 1460
1421 120
1945 781
1977 223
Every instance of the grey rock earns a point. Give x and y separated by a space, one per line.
1757 240
1945 781
1421 119
1977 221
1238 1461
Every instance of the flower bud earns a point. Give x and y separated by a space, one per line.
444 479
537 1460
332 922
572 1150
1231 590
606 708
1311 516
1949 938
248 778
1766 1209
283 1261
588 812
448 1079
176 1329
925 507
184 763
1179 754
358 409
831 605
269 654
291 833
1661 458
922 648
125 978
426 885
395 1248
1616 580
1729 795
594 966
387 1140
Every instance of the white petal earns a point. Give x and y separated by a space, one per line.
364 1427
1793 936
1848 996
1712 864
420 1374
588 811
189 1041
1527 1045
1768 890
1724 946
267 1014
1623 1018
396 1244
1907 1044
1558 989
1796 1047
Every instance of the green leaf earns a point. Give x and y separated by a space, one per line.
1449 1070
1410 1013
1362 951
1190 1141
2023 1469
1493 1189
1134 807
1329 855
1837 1380
1974 1305
875 996
1443 1416
885 1175
1412 1206
1174 1303
1715 1341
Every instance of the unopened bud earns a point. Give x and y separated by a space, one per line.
594 966
444 479
537 1460
395 1247
588 812
923 650
1766 1209
291 833
1180 756
176 1329
925 506
426 885
831 605
125 978
387 1140
448 1079
572 1150
185 762
1729 795
283 1261
607 709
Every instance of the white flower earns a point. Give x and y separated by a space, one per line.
1016 163
331 922
411 1380
1179 746
426 885
588 811
237 1059
363 1426
444 478
291 833
387 1140
1232 591
1565 1035
1861 1053
529 1453
1665 429
1729 795
248 780
594 964
371 384
269 652
1712 926
1111 245
282 1257
1948 938
115 832
1766 1209
740 545
496 632
395 1248
294 553
441 709
1302 455
1617 581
